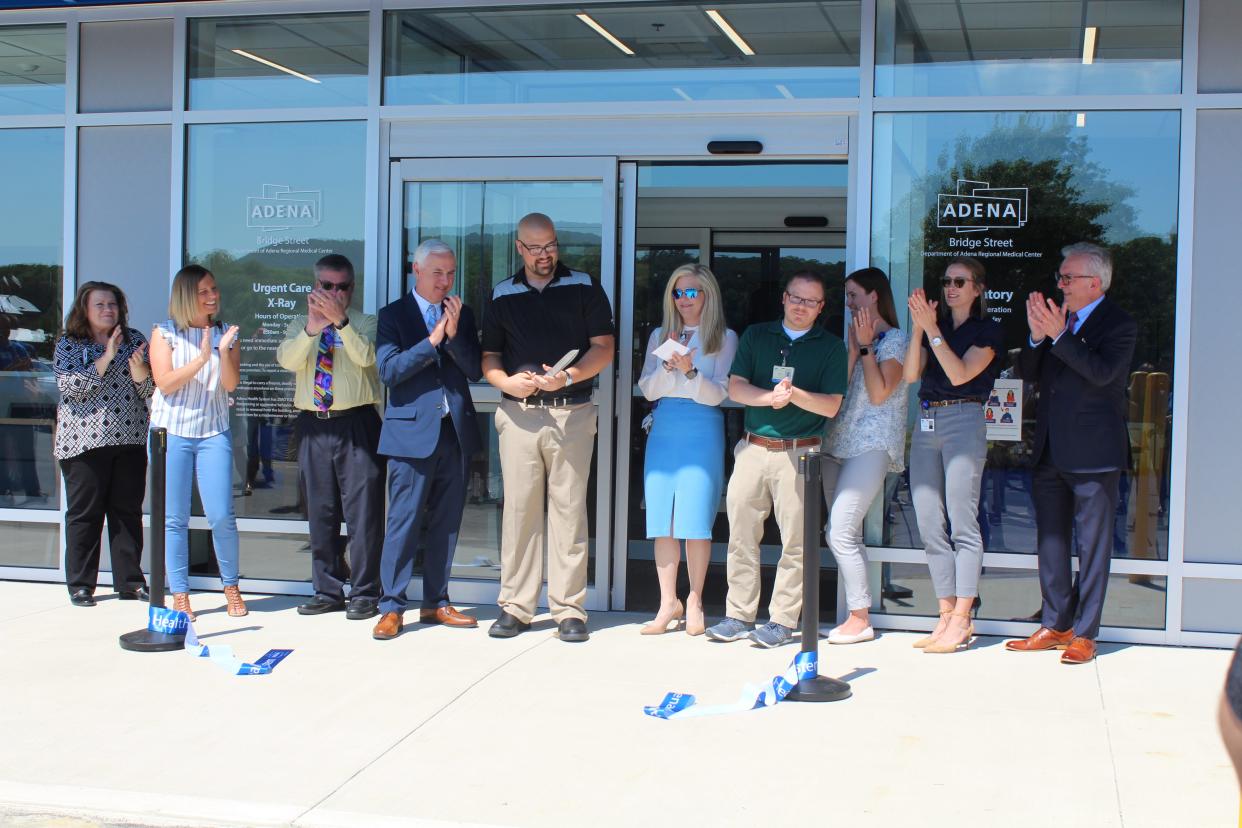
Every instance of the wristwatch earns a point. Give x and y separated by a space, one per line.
936 342
569 380
692 373
864 350
344 324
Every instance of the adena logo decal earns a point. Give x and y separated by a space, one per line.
282 208
976 207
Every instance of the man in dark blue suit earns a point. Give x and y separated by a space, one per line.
1079 354
427 351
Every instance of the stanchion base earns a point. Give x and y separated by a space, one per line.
145 641
819 689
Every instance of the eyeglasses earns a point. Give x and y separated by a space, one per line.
958 282
802 300
1066 278
689 293
331 286
539 250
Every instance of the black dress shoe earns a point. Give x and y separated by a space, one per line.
139 594
572 629
320 604
507 626
360 608
82 598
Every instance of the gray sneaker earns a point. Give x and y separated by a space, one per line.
729 629
771 635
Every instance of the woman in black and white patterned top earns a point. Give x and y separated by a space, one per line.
101 431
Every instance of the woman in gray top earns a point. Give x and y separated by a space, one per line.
101 433
866 440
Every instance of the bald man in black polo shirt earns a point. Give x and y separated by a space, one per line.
546 425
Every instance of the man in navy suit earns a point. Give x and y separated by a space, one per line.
427 351
1079 353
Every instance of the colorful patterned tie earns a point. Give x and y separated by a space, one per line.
322 391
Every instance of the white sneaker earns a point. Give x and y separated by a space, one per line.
835 636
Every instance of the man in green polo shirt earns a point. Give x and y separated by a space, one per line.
790 375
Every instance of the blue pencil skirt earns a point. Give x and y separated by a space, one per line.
683 474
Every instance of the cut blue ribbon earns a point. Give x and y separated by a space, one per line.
753 696
172 622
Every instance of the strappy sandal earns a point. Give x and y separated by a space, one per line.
923 642
236 606
942 646
181 603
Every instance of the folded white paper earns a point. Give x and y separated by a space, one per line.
668 348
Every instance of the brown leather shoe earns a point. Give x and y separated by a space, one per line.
1080 651
448 616
389 626
1043 639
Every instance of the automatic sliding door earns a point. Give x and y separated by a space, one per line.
474 205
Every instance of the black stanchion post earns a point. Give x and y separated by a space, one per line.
144 640
814 688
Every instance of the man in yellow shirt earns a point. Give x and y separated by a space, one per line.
331 350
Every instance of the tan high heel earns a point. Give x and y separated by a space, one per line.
655 628
237 607
941 646
696 627
925 640
181 603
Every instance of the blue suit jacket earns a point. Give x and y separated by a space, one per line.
1082 410
419 376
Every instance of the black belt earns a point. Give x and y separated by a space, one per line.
332 414
549 401
963 401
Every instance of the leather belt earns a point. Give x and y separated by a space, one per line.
543 401
781 445
942 403
332 414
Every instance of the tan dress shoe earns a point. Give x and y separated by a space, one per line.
1080 651
448 616
389 626
1043 639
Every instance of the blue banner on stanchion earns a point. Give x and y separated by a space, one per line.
753 696
173 622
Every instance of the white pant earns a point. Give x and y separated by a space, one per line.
850 485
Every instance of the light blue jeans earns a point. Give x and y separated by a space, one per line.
210 461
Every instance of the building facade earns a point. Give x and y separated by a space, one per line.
756 137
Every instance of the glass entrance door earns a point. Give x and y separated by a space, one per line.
473 205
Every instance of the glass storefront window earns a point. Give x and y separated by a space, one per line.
32 163
1105 177
32 70
263 203
668 52
1016 47
278 62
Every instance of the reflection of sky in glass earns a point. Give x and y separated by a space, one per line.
32 165
1138 150
749 174
228 164
1031 77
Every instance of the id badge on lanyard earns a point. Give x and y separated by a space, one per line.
926 421
784 370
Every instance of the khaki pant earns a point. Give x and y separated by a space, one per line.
538 446
761 480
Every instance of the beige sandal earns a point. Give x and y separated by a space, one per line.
237 607
923 642
940 646
181 603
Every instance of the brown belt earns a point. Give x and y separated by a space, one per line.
781 445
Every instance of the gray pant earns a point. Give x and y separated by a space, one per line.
850 486
946 466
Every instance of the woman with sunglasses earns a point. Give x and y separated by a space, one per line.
956 351
683 474
866 440
197 364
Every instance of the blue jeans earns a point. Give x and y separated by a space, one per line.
211 459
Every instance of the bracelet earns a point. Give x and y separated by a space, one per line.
569 380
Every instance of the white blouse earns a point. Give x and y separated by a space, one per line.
200 408
710 387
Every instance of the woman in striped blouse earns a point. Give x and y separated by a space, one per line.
196 364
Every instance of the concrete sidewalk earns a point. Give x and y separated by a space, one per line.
448 727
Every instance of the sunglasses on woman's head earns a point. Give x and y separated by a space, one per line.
689 293
957 281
